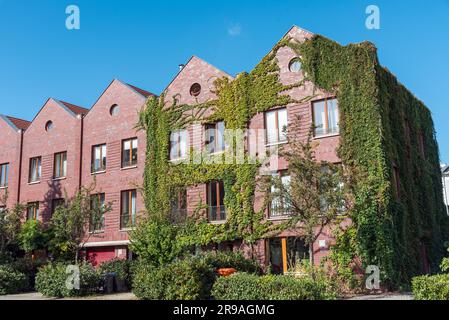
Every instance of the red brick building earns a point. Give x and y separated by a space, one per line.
66 146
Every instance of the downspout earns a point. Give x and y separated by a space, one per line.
20 166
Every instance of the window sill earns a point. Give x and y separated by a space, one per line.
59 179
128 167
34 182
218 222
5 187
324 136
275 144
216 153
179 159
279 218
96 232
126 229
98 172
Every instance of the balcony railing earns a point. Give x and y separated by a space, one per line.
126 221
217 213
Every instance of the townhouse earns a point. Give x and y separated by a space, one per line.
66 147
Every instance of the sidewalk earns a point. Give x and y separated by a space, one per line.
38 296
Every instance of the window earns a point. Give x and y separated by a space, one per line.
215 141
98 158
33 211
49 126
55 204
2 209
295 65
326 117
215 201
60 165
114 110
276 124
97 214
178 206
195 90
129 153
279 206
178 144
4 170
128 209
35 170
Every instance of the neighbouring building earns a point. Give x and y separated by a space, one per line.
445 172
377 126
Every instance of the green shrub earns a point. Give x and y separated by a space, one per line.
187 279
51 281
431 287
12 281
121 268
243 286
29 267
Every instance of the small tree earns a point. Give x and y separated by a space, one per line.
314 197
33 236
10 222
72 221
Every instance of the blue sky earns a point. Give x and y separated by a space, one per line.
142 42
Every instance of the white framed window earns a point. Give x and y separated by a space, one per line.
178 144
326 117
4 171
276 122
99 158
35 169
129 152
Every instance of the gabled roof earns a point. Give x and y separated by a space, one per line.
74 108
187 63
19 123
143 92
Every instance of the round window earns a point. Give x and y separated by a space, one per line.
195 89
295 65
114 110
49 126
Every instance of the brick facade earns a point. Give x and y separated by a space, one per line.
75 130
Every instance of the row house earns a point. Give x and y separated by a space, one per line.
195 84
65 147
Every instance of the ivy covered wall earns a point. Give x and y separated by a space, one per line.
382 126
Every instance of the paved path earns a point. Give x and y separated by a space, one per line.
38 296
384 296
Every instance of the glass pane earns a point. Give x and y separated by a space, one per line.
210 138
213 194
174 145
271 127
127 145
220 139
58 166
222 192
133 206
319 118
183 144
282 121
103 150
333 116
64 165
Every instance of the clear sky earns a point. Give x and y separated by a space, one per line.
142 42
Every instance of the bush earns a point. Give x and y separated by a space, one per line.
29 267
431 287
243 286
120 267
234 260
12 281
51 281
187 279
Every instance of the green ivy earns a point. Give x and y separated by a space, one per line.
372 105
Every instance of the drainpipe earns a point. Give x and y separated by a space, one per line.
20 165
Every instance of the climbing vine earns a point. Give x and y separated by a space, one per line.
385 231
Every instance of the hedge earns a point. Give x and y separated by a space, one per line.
190 278
51 281
431 287
243 286
12 281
